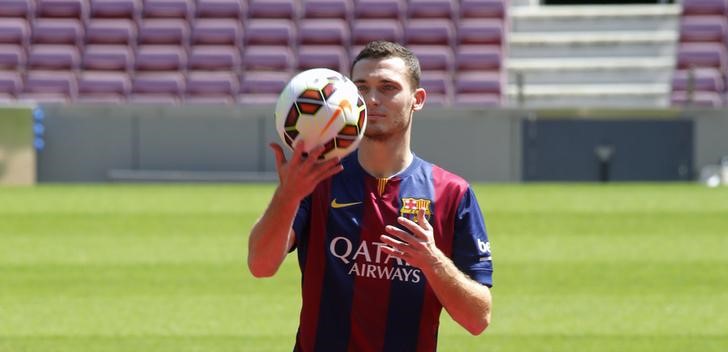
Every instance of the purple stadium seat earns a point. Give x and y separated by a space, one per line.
701 55
14 31
163 31
49 86
488 82
355 50
53 57
129 9
703 99
103 87
211 87
705 7
367 30
328 56
704 79
341 9
111 31
62 8
480 31
108 58
478 100
380 9
218 31
703 29
262 87
434 57
429 32
323 32
432 9
12 57
57 31
270 32
257 82
221 9
438 86
214 58
157 87
16 8
10 83
268 58
483 9
160 58
168 9
478 58
288 9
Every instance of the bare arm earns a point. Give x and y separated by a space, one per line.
468 302
272 235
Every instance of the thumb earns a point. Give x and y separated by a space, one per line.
280 156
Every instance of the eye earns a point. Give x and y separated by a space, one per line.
362 89
389 87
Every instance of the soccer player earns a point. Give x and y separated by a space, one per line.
384 238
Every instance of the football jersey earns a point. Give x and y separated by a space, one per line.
356 297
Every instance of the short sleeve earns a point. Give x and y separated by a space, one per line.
471 248
301 221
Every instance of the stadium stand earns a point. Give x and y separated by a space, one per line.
129 9
227 51
702 55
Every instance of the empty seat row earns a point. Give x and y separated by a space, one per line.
232 32
289 9
229 58
91 86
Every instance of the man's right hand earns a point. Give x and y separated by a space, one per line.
299 176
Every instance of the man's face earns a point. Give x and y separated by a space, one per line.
385 86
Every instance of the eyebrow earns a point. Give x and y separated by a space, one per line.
380 81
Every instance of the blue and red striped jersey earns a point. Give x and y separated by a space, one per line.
357 298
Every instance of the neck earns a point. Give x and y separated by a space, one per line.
385 158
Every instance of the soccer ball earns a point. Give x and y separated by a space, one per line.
321 107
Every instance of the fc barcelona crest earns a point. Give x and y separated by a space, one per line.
411 205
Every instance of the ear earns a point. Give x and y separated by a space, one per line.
419 101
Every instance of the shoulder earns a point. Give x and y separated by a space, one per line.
445 178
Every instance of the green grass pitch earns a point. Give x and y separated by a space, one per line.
579 267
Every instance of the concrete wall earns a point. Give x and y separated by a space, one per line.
17 155
107 143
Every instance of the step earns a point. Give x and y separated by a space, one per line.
601 95
592 70
592 44
594 18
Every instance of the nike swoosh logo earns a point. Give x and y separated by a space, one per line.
336 205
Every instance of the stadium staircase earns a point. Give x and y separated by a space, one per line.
591 55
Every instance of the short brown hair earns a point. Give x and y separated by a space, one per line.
381 49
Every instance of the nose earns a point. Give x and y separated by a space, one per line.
370 98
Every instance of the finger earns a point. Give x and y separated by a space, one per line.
316 152
402 235
415 229
422 219
392 252
326 173
393 246
299 149
278 152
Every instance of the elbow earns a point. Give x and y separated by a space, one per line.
478 327
261 271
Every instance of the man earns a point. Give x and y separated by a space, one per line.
384 238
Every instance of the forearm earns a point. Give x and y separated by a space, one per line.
468 302
270 238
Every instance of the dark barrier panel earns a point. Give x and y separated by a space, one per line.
600 150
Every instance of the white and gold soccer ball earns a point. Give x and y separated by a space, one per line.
321 107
